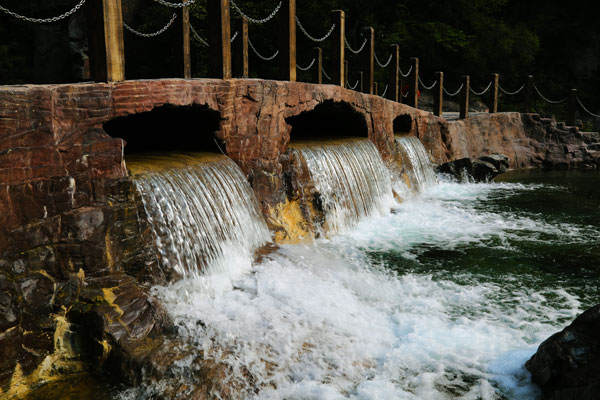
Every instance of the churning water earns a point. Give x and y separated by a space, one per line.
445 297
416 162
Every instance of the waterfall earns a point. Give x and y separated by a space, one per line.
204 216
416 162
351 178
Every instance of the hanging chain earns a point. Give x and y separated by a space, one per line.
362 46
548 100
149 35
307 68
384 91
313 38
254 20
425 86
44 20
586 110
408 73
198 38
352 87
233 37
261 56
481 93
175 5
511 93
455 93
325 73
382 65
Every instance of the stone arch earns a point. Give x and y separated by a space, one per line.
190 128
329 119
403 124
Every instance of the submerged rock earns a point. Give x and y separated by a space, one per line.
482 169
567 365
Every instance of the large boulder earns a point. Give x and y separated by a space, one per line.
567 365
482 169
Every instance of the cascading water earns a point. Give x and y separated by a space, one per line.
351 178
416 162
204 215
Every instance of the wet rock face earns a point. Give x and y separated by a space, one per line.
567 365
482 169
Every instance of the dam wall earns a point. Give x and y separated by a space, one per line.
73 237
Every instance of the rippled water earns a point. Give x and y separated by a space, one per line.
444 297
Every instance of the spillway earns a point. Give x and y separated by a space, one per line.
416 162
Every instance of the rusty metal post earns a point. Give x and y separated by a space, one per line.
287 41
105 33
219 39
528 103
413 95
338 48
318 68
494 93
438 95
464 97
572 107
370 60
245 53
395 74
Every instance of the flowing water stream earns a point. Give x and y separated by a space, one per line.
445 297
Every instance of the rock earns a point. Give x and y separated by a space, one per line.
567 365
483 169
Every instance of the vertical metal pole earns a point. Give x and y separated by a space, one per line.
572 107
338 48
438 95
413 95
362 85
182 32
464 98
105 32
318 68
494 93
287 41
528 95
219 39
245 54
369 61
395 74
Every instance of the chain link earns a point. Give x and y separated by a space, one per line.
455 93
254 20
352 87
44 20
175 5
233 37
261 56
484 90
511 93
307 68
383 65
313 38
546 99
362 46
198 38
384 91
586 110
325 73
404 94
408 73
425 86
154 34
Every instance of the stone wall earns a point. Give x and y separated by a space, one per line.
72 230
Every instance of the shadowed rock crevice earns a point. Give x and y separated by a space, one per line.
402 123
169 128
329 119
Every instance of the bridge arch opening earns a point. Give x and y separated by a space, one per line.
403 124
169 128
328 120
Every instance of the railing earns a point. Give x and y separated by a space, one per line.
107 60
